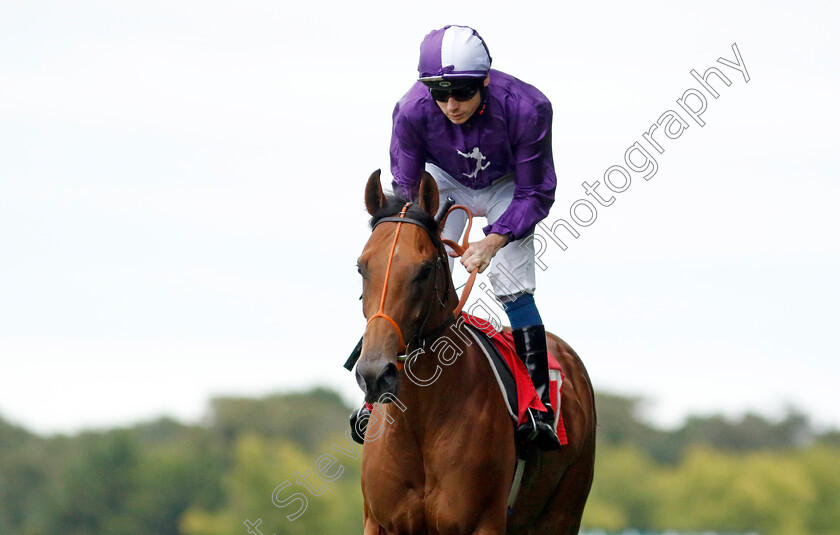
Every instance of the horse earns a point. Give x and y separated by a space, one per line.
441 459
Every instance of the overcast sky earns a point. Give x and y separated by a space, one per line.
181 198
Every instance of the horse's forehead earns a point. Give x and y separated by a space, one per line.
413 242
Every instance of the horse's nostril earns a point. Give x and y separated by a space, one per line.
376 379
361 381
387 379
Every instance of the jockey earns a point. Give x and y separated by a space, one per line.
485 137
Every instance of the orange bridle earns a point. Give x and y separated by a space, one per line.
381 312
458 248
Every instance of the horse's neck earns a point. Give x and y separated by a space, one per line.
447 369
443 371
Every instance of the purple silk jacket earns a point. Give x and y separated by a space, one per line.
510 135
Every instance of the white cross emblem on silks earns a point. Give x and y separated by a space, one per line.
478 157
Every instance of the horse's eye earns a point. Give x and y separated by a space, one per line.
424 274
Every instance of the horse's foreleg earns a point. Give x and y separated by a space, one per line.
371 526
490 526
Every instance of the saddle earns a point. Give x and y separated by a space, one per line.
512 376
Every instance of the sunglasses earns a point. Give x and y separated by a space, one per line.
460 94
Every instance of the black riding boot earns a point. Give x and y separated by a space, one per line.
358 423
530 345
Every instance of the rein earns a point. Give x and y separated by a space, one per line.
458 248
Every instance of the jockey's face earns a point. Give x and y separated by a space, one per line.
460 112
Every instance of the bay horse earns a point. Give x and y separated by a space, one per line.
440 458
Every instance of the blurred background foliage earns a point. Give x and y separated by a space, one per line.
262 460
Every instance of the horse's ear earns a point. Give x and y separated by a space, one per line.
428 195
374 197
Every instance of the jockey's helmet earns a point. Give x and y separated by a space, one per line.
453 52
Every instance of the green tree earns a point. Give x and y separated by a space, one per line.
169 480
621 422
22 476
265 475
750 432
822 465
95 486
23 480
623 492
761 492
306 419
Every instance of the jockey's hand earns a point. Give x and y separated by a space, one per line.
479 254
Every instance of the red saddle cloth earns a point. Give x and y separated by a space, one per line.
526 394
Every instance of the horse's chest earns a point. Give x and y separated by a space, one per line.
395 496
432 494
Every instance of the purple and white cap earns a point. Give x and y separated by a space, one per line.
453 52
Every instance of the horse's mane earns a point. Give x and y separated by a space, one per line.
394 206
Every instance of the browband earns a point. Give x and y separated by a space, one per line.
397 219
